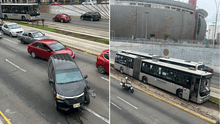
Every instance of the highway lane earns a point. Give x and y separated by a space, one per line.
215 76
101 24
28 78
140 108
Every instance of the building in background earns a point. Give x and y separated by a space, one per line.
211 30
158 19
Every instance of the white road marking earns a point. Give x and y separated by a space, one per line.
11 41
104 78
127 102
116 105
15 65
99 116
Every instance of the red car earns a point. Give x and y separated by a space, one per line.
47 47
56 3
62 18
102 62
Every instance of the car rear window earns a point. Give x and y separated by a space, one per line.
65 15
66 76
106 56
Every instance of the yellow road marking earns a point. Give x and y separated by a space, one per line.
173 104
6 119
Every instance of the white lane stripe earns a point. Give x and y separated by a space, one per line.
116 105
127 102
11 41
104 78
99 116
15 65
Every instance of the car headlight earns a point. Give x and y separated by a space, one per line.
60 97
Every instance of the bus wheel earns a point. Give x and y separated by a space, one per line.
23 18
121 70
6 17
144 80
179 93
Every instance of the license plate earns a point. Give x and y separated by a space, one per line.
76 105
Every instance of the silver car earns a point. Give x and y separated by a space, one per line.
31 36
12 29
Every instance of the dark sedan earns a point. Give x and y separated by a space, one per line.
32 36
91 16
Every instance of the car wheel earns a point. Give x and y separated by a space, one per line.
87 98
23 18
179 93
56 105
3 32
61 21
11 35
132 90
54 20
101 69
33 55
91 19
22 41
6 17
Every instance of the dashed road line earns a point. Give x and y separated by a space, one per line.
6 119
127 102
97 115
116 105
105 79
15 65
10 41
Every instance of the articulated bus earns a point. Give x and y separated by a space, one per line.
21 11
186 83
180 62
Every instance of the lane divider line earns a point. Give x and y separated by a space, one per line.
105 79
116 105
97 115
173 104
127 102
6 119
10 41
15 65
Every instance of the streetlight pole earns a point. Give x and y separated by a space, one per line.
215 22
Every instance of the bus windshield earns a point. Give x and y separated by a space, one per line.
204 87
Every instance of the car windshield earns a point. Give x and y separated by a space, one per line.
106 56
38 34
56 46
66 76
14 26
65 15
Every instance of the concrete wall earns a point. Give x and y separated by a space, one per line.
209 56
141 22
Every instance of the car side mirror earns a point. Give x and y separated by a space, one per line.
48 50
86 76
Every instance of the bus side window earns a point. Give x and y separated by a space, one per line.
155 70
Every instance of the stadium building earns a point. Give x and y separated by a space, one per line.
157 19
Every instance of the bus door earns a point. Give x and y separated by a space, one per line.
126 65
187 80
137 67
186 93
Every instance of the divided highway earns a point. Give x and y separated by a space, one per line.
27 78
101 24
140 108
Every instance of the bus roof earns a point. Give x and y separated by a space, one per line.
176 67
125 54
181 61
140 53
22 4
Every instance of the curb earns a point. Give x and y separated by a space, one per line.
82 50
214 87
6 119
173 104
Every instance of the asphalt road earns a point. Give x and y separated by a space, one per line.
140 108
27 78
101 24
215 76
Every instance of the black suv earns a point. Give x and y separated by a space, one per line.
69 86
91 16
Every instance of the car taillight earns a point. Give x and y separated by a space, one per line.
210 71
94 15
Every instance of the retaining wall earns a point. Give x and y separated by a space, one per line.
208 56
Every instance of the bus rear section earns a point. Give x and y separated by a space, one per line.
186 83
